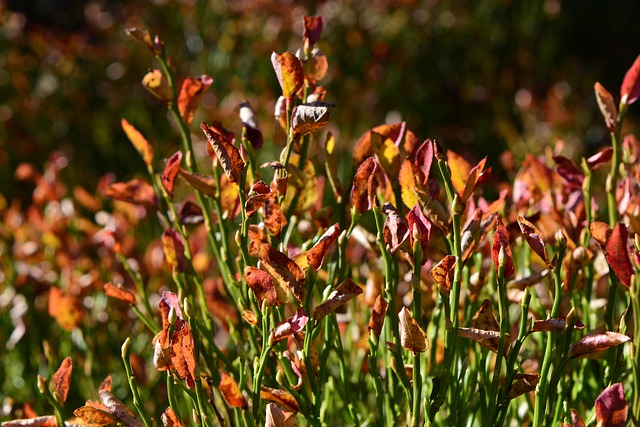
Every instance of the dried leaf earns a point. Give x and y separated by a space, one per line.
484 318
286 273
523 383
386 152
62 380
119 292
205 184
277 417
313 26
250 122
345 292
143 37
553 325
182 355
315 255
412 337
378 312
170 419
396 228
65 309
43 421
138 141
630 89
442 272
569 171
364 146
280 397
106 383
117 408
137 191
258 195
419 224
365 183
228 155
158 85
310 117
600 232
250 317
230 391
471 235
423 160
616 251
316 66
600 159
289 72
596 342
173 247
170 172
262 286
290 326
191 214
611 406
501 240
533 236
576 421
92 415
190 96
607 106
274 219
477 175
486 339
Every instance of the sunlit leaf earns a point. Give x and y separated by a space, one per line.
277 417
280 397
230 391
407 180
158 85
43 421
553 325
258 195
485 320
471 235
501 240
191 94
250 317
117 408
290 326
289 72
170 419
596 342
143 36
106 383
228 155
600 159
364 146
62 380
250 123
486 339
423 160
65 309
313 26
460 169
119 292
182 355
419 224
316 66
274 218
378 312
412 337
607 106
443 271
171 169
523 383
630 89
315 255
611 406
137 191
262 286
285 272
396 228
91 415
345 292
616 251
533 236
173 247
600 232
307 118
363 191
138 141
476 176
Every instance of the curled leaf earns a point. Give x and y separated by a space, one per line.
203 183
523 383
137 191
611 407
607 106
345 292
313 26
250 123
170 419
533 236
442 272
277 417
280 397
94 416
412 337
230 391
62 380
596 342
228 155
423 160
287 275
378 312
315 255
138 141
183 356
119 292
290 326
262 286
363 192
396 228
289 72
117 408
170 172
158 85
191 94
600 159
274 218
258 195
630 89
501 241
310 117
486 339
419 226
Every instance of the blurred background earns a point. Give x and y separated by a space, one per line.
480 76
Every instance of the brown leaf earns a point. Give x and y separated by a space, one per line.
228 155
396 228
280 397
378 312
290 326
600 159
310 117
137 191
119 292
289 73
442 272
412 337
596 342
191 214
250 123
600 232
144 37
170 419
117 408
182 355
313 26
158 85
487 339
616 251
533 236
316 67
203 183
92 415
423 160
345 292
419 226
230 391
364 146
258 195
274 219
65 309
607 106
250 317
173 247
315 255
191 94
485 320
386 152
286 273
471 235
170 172
363 190
523 383
277 417
501 240
630 89
106 383
611 406
549 325
262 286
62 380
576 421
138 141
43 421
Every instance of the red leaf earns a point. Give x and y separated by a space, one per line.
596 342
569 171
313 26
345 292
611 407
289 72
62 380
136 191
228 155
377 316
419 224
170 172
533 236
616 252
262 286
191 94
182 355
258 195
600 159
607 106
363 191
501 240
315 255
396 228
118 292
630 89
250 122
423 160
230 391
290 326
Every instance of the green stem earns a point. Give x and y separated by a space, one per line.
504 326
137 400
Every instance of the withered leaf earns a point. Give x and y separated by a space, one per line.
310 117
250 317
596 342
549 325
277 417
170 419
315 255
396 228
523 383
117 408
289 72
533 236
607 106
471 235
600 159
137 191
230 391
316 67
143 36
419 226
363 191
93 416
171 169
158 85
250 123
62 380
191 94
182 355
286 273
378 312
331 164
364 146
258 195
138 141
485 320
262 286
611 406
630 89
569 171
313 26
290 325
43 421
486 339
345 292
274 218
412 337
173 247
423 160
191 214
119 292
442 272
161 356
600 232
501 240
616 251
280 397
106 383
65 309
228 155
203 183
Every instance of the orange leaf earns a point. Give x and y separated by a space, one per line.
258 195
345 292
611 406
43 421
533 236
485 320
315 255
262 286
116 407
191 94
228 155
486 339
277 417
119 292
501 240
203 183
290 326
442 273
138 141
596 342
65 309
280 397
412 337
137 191
106 383
62 380
364 147
170 172
92 415
230 391
170 419
286 273
460 169
363 190
607 106
250 317
600 232
274 219
377 316
616 251
289 73
182 355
